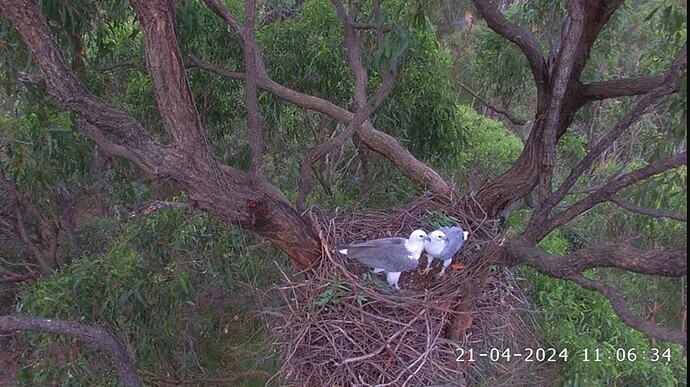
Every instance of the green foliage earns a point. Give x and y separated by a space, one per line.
307 53
133 297
41 149
490 148
579 320
142 282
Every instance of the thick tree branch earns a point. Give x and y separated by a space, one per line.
520 37
585 21
648 211
232 195
670 82
99 337
556 82
378 141
167 72
64 85
256 144
650 262
625 87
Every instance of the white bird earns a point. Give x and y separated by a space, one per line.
389 255
443 244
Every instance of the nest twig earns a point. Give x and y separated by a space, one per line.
344 327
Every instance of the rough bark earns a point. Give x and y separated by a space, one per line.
99 337
232 195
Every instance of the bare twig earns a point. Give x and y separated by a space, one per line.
648 211
508 115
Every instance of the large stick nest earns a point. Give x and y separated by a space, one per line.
344 326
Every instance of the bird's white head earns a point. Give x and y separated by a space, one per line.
415 243
436 243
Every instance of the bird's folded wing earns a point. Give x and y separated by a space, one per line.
377 243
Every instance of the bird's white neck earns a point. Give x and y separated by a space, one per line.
415 248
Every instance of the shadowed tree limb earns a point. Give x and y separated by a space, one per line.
520 37
653 213
96 336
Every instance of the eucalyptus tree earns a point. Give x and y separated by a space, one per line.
182 152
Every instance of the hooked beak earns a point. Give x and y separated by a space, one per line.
427 239
446 239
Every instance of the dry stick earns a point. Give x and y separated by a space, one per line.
401 331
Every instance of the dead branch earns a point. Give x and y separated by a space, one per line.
506 114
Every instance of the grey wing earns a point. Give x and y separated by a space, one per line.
394 241
456 238
388 254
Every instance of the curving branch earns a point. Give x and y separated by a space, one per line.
65 86
571 266
96 336
650 262
626 315
230 194
536 232
380 142
520 37
670 82
652 213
